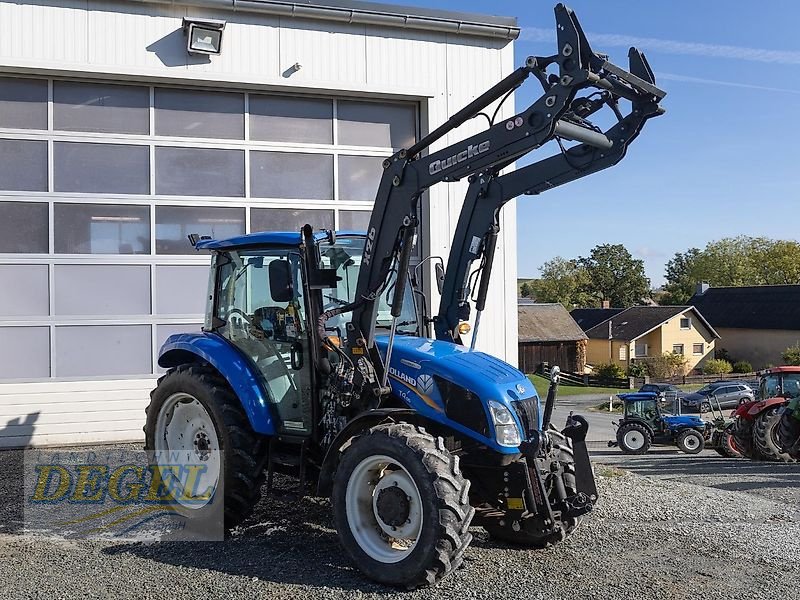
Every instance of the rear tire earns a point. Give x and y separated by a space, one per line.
561 452
634 438
727 445
743 436
788 434
243 451
765 435
399 478
690 442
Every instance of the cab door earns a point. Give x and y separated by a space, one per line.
261 303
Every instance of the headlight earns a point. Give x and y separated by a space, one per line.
505 427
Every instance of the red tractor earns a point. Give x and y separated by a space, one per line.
757 422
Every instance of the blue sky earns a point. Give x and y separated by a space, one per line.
722 162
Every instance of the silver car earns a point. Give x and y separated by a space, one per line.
729 395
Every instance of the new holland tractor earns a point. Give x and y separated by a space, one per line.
765 428
644 425
317 357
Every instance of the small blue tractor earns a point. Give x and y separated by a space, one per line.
318 358
644 425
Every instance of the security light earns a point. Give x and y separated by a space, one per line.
203 36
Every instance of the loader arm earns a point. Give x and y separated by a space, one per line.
479 224
408 173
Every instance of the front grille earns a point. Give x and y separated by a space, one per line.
528 413
462 405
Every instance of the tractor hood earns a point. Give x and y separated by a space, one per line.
684 421
488 377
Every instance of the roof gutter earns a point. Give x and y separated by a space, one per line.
361 14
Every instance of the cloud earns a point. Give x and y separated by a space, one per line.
705 81
783 57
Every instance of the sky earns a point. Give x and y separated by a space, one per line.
723 160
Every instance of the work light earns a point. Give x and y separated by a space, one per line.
203 36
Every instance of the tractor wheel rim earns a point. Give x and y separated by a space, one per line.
384 509
691 442
634 440
186 437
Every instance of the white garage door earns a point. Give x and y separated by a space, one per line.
100 183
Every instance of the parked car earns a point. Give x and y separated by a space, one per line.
662 389
729 394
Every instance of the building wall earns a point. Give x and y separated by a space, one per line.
562 354
142 44
672 334
759 347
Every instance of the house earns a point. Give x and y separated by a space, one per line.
757 323
547 333
624 336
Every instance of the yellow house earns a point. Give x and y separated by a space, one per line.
624 336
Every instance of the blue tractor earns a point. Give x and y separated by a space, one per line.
318 358
644 425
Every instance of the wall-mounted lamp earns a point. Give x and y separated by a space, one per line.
203 36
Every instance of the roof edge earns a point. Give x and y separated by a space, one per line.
368 13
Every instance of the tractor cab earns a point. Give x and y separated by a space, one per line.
644 407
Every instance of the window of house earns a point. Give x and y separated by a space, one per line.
686 323
698 348
641 349
677 348
623 353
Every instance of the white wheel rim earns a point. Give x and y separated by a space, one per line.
634 440
691 442
383 539
185 435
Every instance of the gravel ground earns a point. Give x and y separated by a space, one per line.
664 529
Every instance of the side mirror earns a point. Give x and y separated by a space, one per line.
439 268
555 373
280 281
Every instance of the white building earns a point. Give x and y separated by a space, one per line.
115 143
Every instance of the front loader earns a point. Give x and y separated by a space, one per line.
317 357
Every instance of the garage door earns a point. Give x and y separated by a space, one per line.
101 182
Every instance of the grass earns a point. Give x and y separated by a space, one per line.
564 390
608 471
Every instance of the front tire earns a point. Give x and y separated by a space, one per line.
765 435
690 442
634 438
401 506
705 407
215 423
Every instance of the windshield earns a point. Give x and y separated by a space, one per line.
345 257
780 385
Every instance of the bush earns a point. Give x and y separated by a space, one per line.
609 371
717 366
791 356
637 369
742 366
667 365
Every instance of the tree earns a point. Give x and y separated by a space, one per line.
526 290
738 261
614 275
682 276
791 356
562 281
